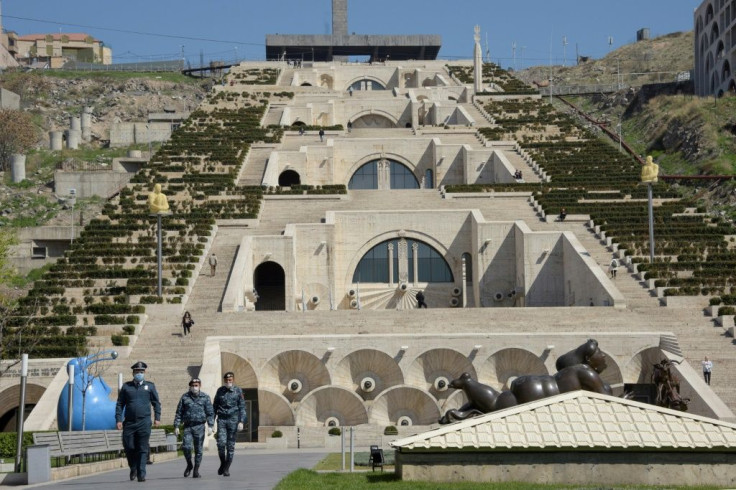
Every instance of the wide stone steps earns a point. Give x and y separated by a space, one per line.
255 165
273 116
480 121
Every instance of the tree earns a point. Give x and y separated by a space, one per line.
18 134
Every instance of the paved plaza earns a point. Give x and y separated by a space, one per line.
250 470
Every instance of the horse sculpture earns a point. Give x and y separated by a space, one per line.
578 369
668 386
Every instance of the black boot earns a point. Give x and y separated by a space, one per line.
196 472
189 467
221 469
226 470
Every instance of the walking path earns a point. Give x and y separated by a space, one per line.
254 469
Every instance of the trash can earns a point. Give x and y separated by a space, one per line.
171 442
38 462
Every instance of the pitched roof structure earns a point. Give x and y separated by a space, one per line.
579 420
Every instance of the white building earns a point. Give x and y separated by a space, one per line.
715 47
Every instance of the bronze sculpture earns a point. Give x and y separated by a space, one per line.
578 369
668 386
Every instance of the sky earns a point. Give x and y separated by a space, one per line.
139 30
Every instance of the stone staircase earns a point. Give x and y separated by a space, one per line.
252 171
480 120
273 116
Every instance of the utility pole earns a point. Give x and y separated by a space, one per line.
564 50
513 53
522 56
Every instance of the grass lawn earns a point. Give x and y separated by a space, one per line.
309 479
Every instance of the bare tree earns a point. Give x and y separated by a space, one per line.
18 134
92 369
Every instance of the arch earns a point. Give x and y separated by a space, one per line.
383 173
639 369
366 82
294 374
331 402
612 375
269 280
709 14
9 404
726 70
274 409
404 403
436 366
387 236
698 26
298 123
368 365
732 87
306 84
287 178
326 81
374 265
505 365
243 370
374 119
457 399
429 82
715 33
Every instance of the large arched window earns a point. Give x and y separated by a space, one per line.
383 174
366 84
402 260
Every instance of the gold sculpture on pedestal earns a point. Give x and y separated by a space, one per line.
157 202
649 171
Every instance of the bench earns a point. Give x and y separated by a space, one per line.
92 442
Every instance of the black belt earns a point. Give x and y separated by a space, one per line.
192 424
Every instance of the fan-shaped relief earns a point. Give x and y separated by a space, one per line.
504 366
368 372
274 409
314 296
294 374
640 368
457 399
433 371
613 375
245 374
404 405
331 406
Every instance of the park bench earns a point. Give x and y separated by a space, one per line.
93 443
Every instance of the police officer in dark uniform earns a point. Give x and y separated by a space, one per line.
134 402
194 411
230 409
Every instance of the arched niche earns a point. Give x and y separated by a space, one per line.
294 374
244 373
9 404
288 178
404 405
433 370
368 372
331 405
269 281
274 409
505 365
640 367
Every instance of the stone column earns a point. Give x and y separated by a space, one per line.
18 167
339 17
56 140
415 256
391 264
72 138
75 123
478 64
87 124
403 261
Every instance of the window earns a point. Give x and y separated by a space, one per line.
397 175
431 265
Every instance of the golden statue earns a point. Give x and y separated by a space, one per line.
649 171
157 202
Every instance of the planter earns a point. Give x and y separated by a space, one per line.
725 321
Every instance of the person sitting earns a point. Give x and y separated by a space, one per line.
563 214
157 202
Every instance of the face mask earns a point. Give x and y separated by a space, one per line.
229 384
194 390
139 377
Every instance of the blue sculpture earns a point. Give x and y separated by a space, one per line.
98 407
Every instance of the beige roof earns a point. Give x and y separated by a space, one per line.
579 420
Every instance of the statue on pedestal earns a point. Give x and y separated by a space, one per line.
157 202
649 171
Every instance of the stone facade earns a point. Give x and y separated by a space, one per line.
714 22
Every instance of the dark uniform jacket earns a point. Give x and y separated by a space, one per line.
136 400
194 410
229 403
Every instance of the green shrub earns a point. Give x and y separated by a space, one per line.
129 330
391 431
726 310
334 431
715 301
120 340
8 441
277 433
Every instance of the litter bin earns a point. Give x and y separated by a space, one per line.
38 462
171 442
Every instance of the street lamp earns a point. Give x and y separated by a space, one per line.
72 200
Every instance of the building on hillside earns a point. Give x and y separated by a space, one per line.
715 47
59 48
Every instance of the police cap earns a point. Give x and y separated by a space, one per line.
195 380
139 365
229 374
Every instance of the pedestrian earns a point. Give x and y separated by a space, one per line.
420 300
230 410
194 411
136 398
707 368
613 268
563 214
213 264
321 134
301 131
350 126
350 91
187 322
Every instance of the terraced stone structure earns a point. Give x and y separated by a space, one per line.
323 243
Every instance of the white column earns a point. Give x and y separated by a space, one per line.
478 61
415 256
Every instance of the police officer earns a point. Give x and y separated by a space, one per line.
194 410
135 399
230 409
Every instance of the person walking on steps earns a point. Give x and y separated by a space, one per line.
230 410
136 399
613 268
420 300
194 412
187 322
213 264
707 368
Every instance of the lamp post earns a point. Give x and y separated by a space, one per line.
72 201
649 175
21 411
158 206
